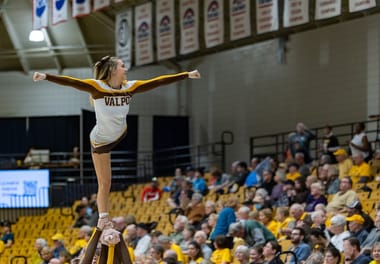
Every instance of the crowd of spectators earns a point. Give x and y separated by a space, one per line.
299 210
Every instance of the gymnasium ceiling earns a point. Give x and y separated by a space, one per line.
80 42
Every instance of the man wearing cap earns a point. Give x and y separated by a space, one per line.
355 225
337 227
344 163
59 245
142 246
152 192
345 196
356 208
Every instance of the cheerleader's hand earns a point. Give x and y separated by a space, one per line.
194 74
38 76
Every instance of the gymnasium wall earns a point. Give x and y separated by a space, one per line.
331 75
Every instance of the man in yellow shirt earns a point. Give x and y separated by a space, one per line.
361 171
344 162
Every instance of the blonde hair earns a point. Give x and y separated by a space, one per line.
103 68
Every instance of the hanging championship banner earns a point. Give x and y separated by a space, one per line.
327 8
165 29
123 35
240 19
296 12
143 34
359 5
214 22
81 7
189 23
40 14
99 4
59 11
266 16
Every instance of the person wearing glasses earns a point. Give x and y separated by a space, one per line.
111 94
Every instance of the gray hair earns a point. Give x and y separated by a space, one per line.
244 209
235 228
243 249
315 214
87 229
183 219
42 242
197 196
164 239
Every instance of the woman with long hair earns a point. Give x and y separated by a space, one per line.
111 94
195 253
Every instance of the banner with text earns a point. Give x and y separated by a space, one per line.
327 8
214 22
40 14
296 12
143 34
99 4
189 26
81 7
59 11
240 19
266 16
123 35
165 29
359 5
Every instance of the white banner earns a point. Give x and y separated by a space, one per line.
143 34
214 22
40 14
296 12
189 21
165 29
266 16
99 4
81 7
119 1
240 19
123 35
359 5
327 8
59 11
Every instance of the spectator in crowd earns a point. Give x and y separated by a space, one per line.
315 197
93 219
252 231
222 253
256 255
195 253
75 156
157 253
253 178
84 234
278 187
344 162
82 218
84 201
352 253
271 251
299 141
330 143
284 221
268 182
59 244
119 223
300 191
190 173
151 192
293 172
345 196
143 243
361 171
359 143
48 256
131 235
301 219
201 238
210 208
238 180
266 218
7 237
375 254
318 218
355 226
38 245
209 227
64 258
188 235
332 256
195 210
243 213
373 235
179 225
168 244
242 254
356 208
303 168
337 228
199 183
216 181
332 184
225 217
299 247
286 195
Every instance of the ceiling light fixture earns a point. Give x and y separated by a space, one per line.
36 36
